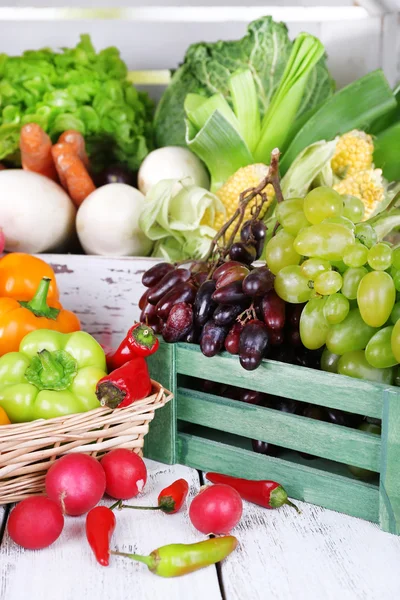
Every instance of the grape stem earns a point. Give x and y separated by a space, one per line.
215 251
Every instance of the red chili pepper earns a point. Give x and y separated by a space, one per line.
100 525
125 385
170 499
139 341
268 494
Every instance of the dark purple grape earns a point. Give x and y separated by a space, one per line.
143 299
244 253
230 294
204 305
340 417
293 314
179 323
273 310
212 338
287 405
115 174
276 337
308 358
199 278
155 274
254 232
225 314
224 268
264 448
253 344
234 273
231 392
157 325
251 397
233 338
283 354
169 281
213 387
258 282
293 338
193 336
183 292
148 313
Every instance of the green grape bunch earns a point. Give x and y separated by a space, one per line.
325 256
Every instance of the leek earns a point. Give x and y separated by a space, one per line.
354 107
306 52
245 104
220 146
387 152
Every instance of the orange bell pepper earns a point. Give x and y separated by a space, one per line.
18 318
4 420
21 274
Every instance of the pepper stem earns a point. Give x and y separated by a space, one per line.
140 507
38 305
147 560
289 503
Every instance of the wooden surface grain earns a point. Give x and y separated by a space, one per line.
67 570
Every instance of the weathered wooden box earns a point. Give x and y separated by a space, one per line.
212 433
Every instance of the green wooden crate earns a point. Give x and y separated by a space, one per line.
211 433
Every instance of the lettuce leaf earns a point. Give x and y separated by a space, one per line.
207 69
76 89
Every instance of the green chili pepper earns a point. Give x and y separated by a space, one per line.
178 559
52 375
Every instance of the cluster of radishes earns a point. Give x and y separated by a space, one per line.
76 483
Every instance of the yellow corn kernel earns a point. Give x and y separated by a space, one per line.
367 186
244 178
354 153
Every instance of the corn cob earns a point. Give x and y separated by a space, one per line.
367 185
353 153
244 178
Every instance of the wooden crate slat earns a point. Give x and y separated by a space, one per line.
389 514
355 498
334 442
289 381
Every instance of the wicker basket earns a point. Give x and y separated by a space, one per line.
27 450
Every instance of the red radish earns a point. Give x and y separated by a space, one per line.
216 509
76 482
126 473
35 523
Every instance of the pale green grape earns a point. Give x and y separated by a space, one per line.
395 314
365 234
338 265
326 240
328 283
380 257
291 216
291 286
341 221
336 308
355 255
279 252
322 203
379 352
354 208
376 296
396 280
313 325
396 258
312 267
329 361
351 281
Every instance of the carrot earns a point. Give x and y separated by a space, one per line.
77 142
77 180
35 146
57 151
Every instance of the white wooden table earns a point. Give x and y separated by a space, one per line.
318 555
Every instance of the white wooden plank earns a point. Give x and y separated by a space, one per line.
68 570
318 555
104 292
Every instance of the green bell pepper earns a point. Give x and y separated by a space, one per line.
53 374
